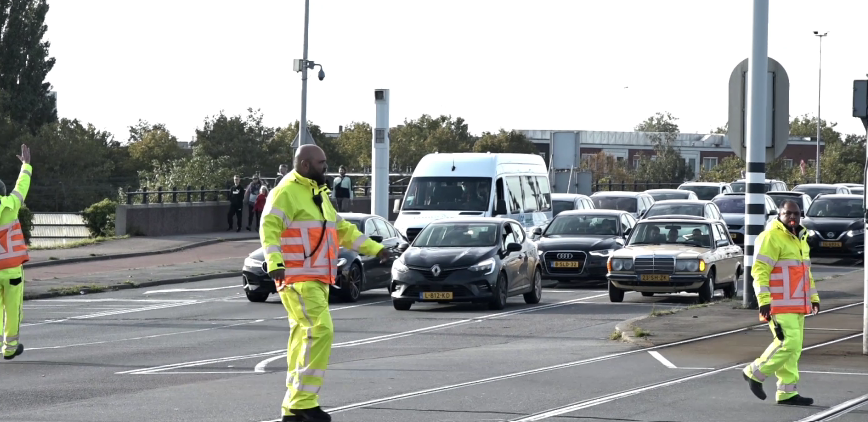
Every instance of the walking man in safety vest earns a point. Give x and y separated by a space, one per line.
785 291
13 254
301 233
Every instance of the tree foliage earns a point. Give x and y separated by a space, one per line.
196 171
243 141
503 141
606 168
149 143
804 126
416 138
659 122
667 166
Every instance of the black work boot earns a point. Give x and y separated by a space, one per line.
18 350
314 414
756 387
797 400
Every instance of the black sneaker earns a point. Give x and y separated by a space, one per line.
756 387
18 350
314 414
797 400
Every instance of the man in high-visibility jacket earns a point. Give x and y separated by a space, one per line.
301 233
786 292
13 255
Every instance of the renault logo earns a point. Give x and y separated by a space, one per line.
435 270
565 256
830 235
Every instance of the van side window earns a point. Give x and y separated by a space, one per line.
528 186
513 185
498 189
545 193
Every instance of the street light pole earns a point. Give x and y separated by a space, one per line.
302 126
819 98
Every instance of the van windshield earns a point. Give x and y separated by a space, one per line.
448 194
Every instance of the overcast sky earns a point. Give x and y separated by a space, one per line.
542 64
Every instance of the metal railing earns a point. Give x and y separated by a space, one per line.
190 194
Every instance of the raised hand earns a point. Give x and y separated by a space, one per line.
25 154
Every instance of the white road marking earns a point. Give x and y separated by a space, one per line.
352 343
106 300
836 411
661 359
569 365
208 289
831 329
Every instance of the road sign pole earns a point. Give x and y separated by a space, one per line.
860 110
757 120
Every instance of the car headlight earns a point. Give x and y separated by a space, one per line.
252 263
856 232
689 265
622 264
812 233
602 252
342 262
486 266
399 267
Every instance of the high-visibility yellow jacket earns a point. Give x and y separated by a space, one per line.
293 225
13 250
782 270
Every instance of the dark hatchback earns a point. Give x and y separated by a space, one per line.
576 244
836 226
480 260
356 272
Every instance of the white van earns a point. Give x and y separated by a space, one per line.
459 184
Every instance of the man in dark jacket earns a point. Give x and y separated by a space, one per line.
236 203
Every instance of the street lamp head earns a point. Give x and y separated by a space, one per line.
321 74
815 32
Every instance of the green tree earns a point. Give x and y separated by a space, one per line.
503 141
279 148
721 130
668 166
196 171
243 140
416 138
659 122
804 126
606 168
25 63
354 147
727 170
149 143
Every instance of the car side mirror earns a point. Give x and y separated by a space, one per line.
500 209
802 213
722 243
513 247
537 231
402 246
397 207
378 239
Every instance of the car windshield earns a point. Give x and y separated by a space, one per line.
650 233
448 194
836 208
451 235
662 196
561 206
704 193
814 191
675 209
740 187
621 203
730 205
583 225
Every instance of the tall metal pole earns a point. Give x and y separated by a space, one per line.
302 126
865 258
819 98
758 118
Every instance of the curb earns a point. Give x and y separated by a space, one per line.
150 283
129 255
625 329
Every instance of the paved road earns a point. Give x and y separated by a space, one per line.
201 352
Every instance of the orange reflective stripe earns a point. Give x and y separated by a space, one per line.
13 248
302 262
789 287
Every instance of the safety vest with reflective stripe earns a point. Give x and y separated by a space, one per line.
782 271
13 248
293 225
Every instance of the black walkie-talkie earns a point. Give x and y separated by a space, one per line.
779 331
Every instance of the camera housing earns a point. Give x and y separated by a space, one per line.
321 74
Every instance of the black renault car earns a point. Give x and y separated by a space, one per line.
474 259
836 226
356 272
576 244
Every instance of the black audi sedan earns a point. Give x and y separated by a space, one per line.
356 272
836 226
576 245
474 259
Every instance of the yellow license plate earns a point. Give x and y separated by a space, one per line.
831 244
732 236
566 264
654 277
437 295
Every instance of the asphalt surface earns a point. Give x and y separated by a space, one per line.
201 352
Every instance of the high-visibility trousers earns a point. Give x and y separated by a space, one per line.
12 306
310 341
781 358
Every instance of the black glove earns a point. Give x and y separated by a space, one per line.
816 307
766 312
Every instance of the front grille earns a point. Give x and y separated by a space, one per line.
412 233
829 234
551 257
660 265
429 275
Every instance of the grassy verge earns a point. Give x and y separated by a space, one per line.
78 243
77 289
663 312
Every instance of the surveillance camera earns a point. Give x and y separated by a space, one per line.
321 74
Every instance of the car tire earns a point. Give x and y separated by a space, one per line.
535 294
257 297
706 292
352 283
498 302
402 305
615 294
731 290
648 294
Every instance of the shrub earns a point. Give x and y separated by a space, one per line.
100 218
25 217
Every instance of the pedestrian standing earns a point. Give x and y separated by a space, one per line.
786 292
301 234
281 171
343 190
13 255
250 196
259 206
236 202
